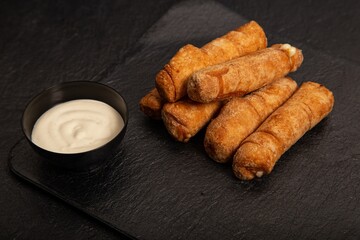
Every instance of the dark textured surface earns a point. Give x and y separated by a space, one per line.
43 43
331 26
160 189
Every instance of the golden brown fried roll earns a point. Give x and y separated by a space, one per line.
260 151
183 119
151 104
241 116
244 74
171 80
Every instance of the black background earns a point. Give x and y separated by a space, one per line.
45 42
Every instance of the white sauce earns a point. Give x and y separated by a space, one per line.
77 126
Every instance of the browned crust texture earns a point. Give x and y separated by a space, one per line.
171 80
260 151
242 75
183 119
151 104
241 116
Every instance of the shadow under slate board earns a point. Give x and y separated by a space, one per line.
156 188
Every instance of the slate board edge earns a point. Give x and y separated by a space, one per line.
59 196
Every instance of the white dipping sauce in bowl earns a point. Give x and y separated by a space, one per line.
77 126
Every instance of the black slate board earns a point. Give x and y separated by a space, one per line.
156 188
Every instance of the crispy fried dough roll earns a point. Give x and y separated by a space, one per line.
241 116
260 151
183 119
171 80
244 74
151 104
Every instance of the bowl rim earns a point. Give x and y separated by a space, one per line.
57 85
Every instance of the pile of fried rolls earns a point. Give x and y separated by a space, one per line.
238 89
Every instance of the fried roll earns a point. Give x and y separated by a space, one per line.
244 74
183 119
171 80
241 116
259 152
151 104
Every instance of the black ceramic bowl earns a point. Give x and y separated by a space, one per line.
70 91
